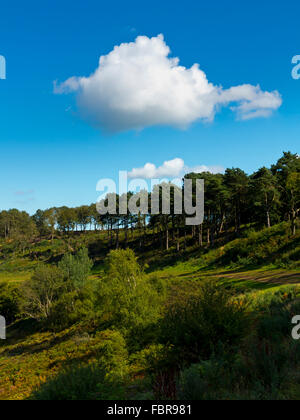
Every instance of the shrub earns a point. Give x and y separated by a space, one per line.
270 353
112 354
80 383
204 324
208 380
72 307
10 301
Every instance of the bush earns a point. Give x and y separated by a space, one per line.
208 380
80 383
112 354
72 307
270 353
10 301
205 324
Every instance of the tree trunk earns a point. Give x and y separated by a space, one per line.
178 243
222 224
293 222
117 239
268 219
167 239
268 212
200 235
111 236
126 236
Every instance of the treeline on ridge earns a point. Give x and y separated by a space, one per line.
266 197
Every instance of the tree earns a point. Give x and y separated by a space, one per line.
84 216
66 219
125 297
265 192
76 269
51 218
18 226
40 220
293 192
287 164
237 183
42 291
59 293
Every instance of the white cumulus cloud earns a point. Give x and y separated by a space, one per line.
170 169
138 85
215 169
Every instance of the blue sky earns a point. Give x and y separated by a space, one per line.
52 157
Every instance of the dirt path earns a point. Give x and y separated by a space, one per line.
271 277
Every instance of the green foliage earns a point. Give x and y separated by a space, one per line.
41 292
101 380
61 295
126 298
181 336
76 269
204 324
207 380
80 383
112 354
10 301
72 307
258 248
265 365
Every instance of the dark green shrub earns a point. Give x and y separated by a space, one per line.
72 307
80 383
10 301
208 380
204 324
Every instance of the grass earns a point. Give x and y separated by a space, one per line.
258 263
27 362
17 277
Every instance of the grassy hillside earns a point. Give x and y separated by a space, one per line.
259 267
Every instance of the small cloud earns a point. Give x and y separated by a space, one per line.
203 168
171 169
